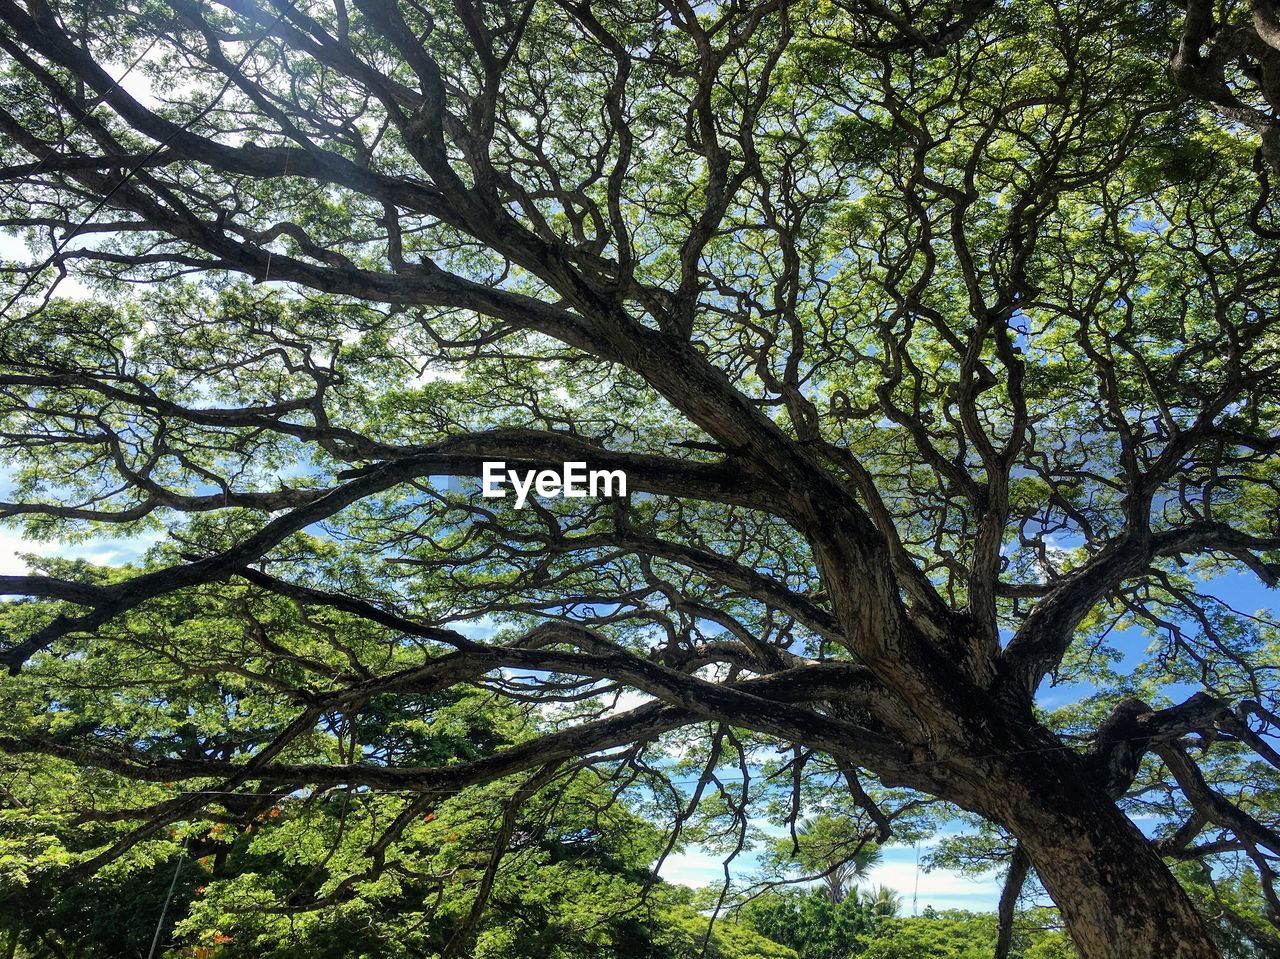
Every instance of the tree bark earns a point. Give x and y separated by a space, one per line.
1019 866
1116 895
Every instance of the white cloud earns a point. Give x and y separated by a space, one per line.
941 888
628 700
12 247
106 552
694 868
11 545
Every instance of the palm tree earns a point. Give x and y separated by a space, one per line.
881 900
830 847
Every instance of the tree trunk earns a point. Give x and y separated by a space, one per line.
1118 898
1116 895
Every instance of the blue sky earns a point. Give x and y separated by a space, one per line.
941 888
948 889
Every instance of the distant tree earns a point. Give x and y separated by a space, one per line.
683 935
810 923
830 850
955 934
936 936
326 873
881 900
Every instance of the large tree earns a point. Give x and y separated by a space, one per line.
938 342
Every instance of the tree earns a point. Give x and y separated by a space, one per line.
830 849
687 938
328 873
816 929
882 900
937 342
1227 57
810 923
945 935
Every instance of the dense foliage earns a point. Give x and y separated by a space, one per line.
940 345
303 873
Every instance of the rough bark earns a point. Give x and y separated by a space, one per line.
1117 897
1019 866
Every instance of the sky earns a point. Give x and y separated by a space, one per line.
899 869
940 888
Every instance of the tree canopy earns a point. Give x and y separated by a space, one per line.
939 344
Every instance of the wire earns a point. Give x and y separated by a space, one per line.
915 893
155 939
115 84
